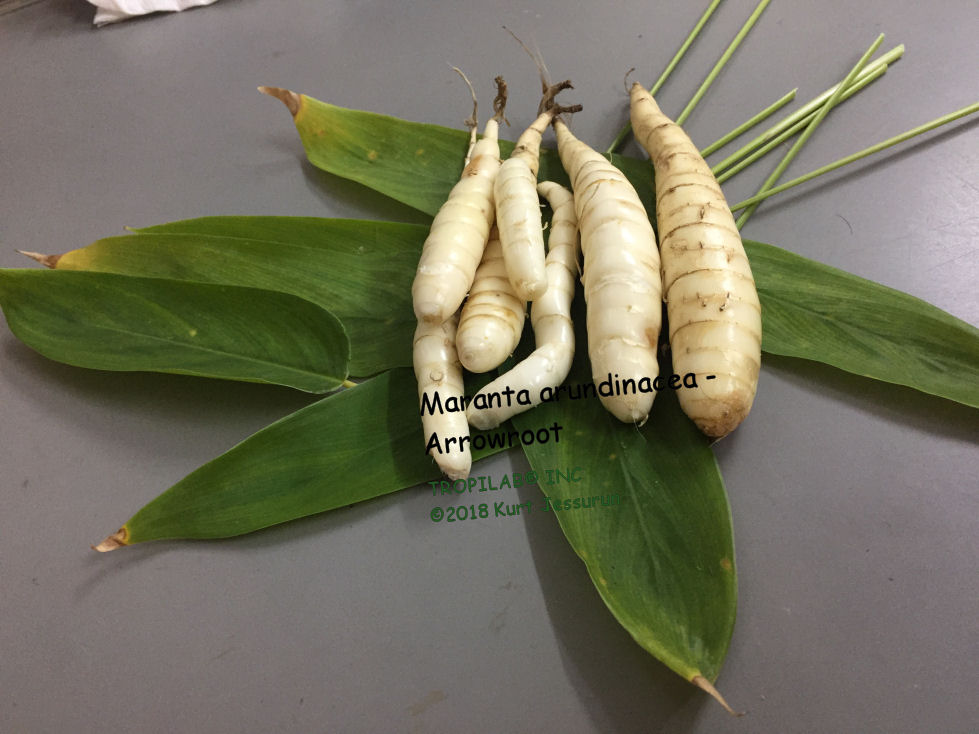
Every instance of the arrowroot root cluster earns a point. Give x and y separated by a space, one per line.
485 259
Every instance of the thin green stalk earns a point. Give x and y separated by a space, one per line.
764 150
721 62
748 124
627 128
807 133
683 48
873 69
937 122
723 176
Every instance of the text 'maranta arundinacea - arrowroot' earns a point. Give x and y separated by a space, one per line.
550 315
460 230
622 281
712 306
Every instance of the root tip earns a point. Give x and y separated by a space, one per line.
482 420
455 470
289 99
705 685
117 540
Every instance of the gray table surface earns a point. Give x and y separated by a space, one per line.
854 502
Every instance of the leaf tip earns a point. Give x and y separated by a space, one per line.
49 261
118 539
704 684
289 99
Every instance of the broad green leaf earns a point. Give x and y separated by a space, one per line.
810 310
662 559
817 312
412 162
357 444
359 270
120 322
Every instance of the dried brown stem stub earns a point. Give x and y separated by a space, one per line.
472 122
117 540
548 90
625 79
290 99
499 102
704 684
547 99
545 83
547 103
538 60
570 109
49 261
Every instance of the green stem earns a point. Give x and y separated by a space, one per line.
627 128
763 151
683 49
723 176
748 124
748 25
797 146
937 122
807 109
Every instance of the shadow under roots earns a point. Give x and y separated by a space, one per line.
623 686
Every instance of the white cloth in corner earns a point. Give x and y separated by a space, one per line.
112 11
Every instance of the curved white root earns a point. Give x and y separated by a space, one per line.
549 364
492 317
518 215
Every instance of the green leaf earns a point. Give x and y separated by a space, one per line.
357 444
817 312
359 270
663 558
412 162
119 322
362 271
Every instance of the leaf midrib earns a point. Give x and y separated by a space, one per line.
210 350
261 240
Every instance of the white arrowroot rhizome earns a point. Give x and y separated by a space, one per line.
712 304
